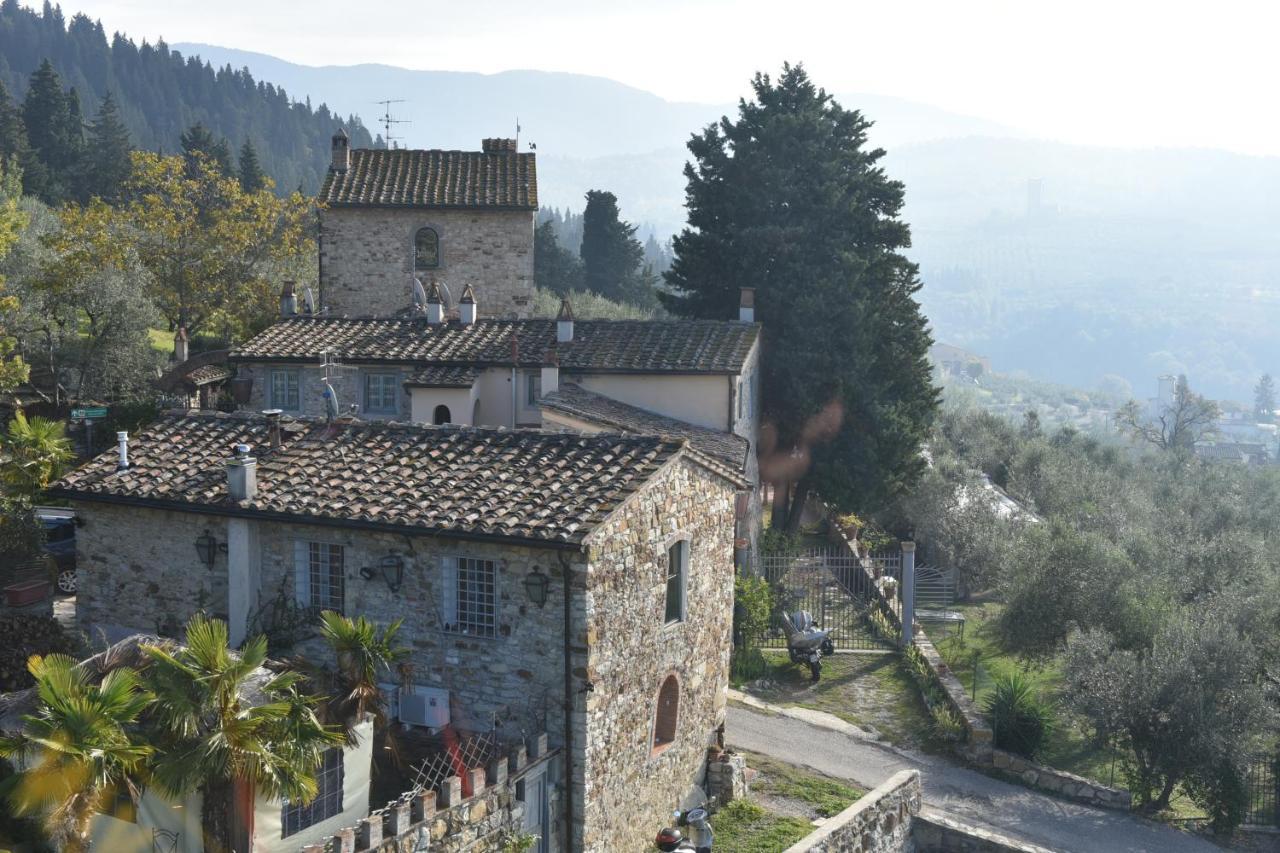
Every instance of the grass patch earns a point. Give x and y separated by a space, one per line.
873 692
822 795
745 827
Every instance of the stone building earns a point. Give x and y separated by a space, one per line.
694 379
580 584
452 218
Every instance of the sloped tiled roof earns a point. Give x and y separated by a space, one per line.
531 486
624 346
415 178
576 401
444 376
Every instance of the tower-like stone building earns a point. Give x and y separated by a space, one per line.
455 218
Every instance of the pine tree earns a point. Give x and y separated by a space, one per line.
252 178
789 200
106 161
555 268
611 254
198 141
1264 398
13 134
46 113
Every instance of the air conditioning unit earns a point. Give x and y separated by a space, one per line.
424 706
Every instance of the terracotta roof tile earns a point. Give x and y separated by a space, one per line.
482 483
639 346
576 401
415 178
444 376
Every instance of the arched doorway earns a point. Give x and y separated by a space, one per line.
442 415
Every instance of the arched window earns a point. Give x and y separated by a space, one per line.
442 415
666 714
426 249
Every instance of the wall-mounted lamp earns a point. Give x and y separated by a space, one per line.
207 548
391 567
536 585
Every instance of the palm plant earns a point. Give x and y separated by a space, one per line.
35 452
363 654
79 749
210 738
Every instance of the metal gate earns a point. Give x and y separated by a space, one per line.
830 583
1262 785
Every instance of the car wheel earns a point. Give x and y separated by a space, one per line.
67 581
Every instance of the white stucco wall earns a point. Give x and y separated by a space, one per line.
423 402
701 400
355 803
154 812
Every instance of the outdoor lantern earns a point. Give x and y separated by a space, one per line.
207 548
535 586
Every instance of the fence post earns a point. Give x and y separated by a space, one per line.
908 593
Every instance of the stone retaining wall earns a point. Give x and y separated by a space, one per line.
1062 783
442 820
933 832
880 822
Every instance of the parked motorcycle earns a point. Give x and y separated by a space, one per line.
806 642
670 838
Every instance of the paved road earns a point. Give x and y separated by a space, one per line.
964 794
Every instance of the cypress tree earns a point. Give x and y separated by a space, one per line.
555 268
106 162
789 200
611 254
252 178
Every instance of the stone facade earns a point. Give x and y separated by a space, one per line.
366 258
631 788
934 832
140 570
880 822
349 383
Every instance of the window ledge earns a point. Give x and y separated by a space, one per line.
659 749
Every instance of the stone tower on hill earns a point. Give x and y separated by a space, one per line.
455 218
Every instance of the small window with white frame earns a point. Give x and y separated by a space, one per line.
284 390
320 575
297 816
470 600
380 393
677 574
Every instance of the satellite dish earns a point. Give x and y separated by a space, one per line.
419 296
309 300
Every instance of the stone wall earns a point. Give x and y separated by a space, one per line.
880 822
631 788
443 820
348 383
366 259
933 832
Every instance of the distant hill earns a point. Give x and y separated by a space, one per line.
161 93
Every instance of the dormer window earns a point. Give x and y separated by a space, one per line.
426 249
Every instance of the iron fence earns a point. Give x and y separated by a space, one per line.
1261 781
832 584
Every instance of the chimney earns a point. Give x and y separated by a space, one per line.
747 305
242 475
273 427
550 372
467 306
180 342
564 322
341 152
122 438
498 146
288 301
435 305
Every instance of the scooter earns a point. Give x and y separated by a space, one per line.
806 643
670 839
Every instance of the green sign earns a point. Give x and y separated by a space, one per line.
83 414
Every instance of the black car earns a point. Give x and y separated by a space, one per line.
60 544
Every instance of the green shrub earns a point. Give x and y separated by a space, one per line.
1021 718
24 635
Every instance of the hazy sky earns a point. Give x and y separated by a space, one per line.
1125 72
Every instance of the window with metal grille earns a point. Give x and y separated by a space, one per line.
284 390
426 249
319 575
471 596
677 568
380 393
295 817
667 713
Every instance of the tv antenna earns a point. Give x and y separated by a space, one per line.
387 120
